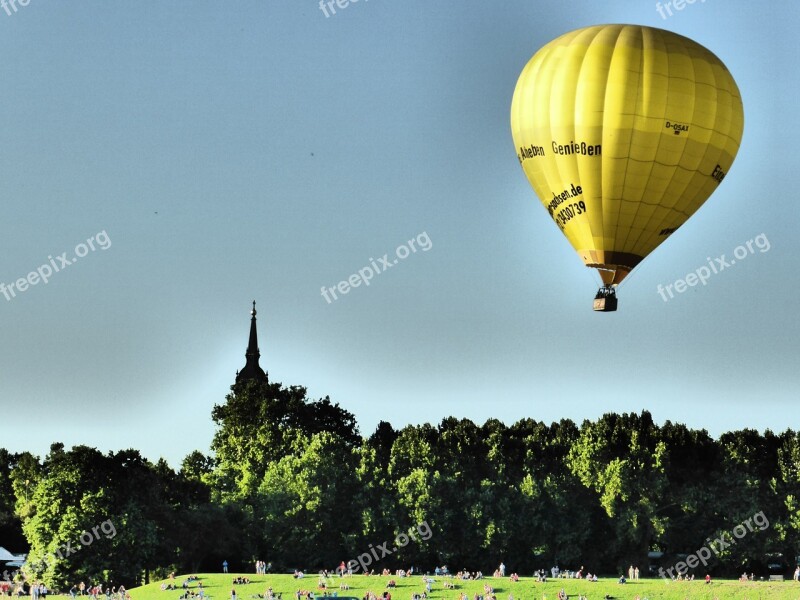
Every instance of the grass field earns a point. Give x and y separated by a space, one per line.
219 587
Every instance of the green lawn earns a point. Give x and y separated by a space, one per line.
219 587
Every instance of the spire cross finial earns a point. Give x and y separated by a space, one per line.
254 309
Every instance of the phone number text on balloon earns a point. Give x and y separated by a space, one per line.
563 216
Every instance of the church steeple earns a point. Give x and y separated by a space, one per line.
252 370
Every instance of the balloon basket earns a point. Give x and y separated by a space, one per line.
605 300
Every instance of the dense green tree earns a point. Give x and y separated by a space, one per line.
26 472
374 500
690 507
622 458
750 466
258 425
787 528
95 517
460 462
304 503
10 523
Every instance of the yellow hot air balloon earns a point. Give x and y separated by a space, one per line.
624 131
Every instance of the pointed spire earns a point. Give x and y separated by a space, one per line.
251 369
252 346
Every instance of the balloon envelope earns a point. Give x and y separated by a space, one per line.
624 131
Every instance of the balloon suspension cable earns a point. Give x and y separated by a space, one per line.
634 271
606 291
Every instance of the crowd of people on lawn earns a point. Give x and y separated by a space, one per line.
37 590
97 592
448 582
325 583
185 587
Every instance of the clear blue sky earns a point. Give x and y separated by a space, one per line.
233 151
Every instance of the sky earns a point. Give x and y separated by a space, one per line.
216 153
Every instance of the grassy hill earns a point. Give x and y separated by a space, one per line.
219 587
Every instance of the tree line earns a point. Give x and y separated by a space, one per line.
292 481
